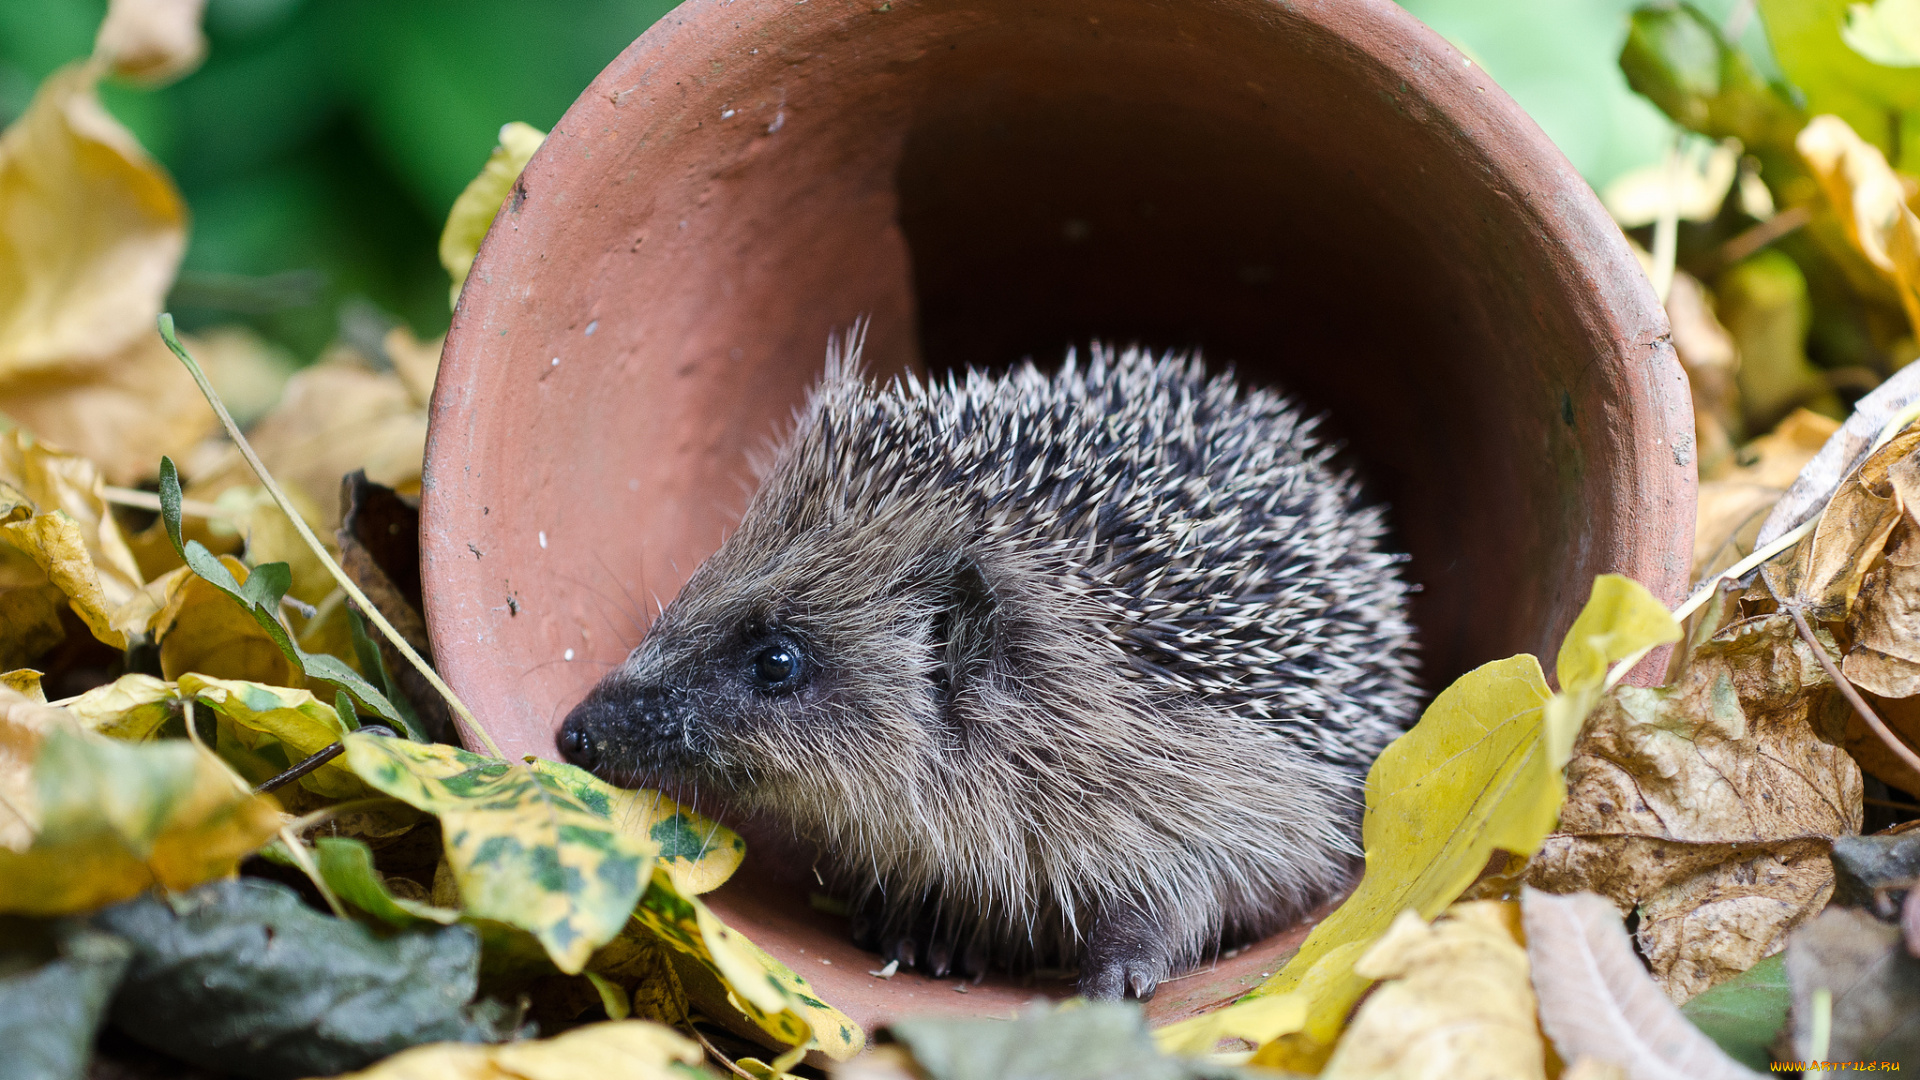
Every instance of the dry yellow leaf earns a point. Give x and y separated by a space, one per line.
1710 804
336 416
473 212
202 630
124 414
627 1049
1870 201
248 371
152 41
416 362
24 722
1456 1002
115 819
57 526
91 231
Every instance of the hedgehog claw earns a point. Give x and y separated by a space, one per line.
1127 955
939 957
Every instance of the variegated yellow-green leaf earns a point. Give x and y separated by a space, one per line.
626 1049
700 853
25 680
300 722
523 849
118 818
131 707
1480 772
767 992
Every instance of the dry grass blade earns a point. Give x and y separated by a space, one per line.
1596 1001
320 552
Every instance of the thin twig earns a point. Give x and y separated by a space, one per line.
319 550
1745 243
714 1052
1899 748
147 500
298 853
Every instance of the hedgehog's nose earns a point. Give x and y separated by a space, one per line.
576 742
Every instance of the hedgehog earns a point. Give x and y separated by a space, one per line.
1078 671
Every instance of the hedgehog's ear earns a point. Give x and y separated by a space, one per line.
964 631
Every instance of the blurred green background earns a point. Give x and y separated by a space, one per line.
323 142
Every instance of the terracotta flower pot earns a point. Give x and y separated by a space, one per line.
1325 194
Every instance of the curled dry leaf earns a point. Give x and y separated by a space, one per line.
24 723
1871 202
1825 571
1596 1001
54 516
1710 804
152 41
1455 1001
1842 454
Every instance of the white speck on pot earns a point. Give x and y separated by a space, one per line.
569 654
826 961
726 114
633 485
888 972
543 538
779 121
592 326
556 361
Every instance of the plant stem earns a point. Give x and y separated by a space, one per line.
319 550
1879 726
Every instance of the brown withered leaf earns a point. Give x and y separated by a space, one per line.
1827 568
1736 501
379 540
1456 1001
1710 804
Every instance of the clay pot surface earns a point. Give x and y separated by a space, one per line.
1325 194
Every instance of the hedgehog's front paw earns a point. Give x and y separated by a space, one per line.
1127 955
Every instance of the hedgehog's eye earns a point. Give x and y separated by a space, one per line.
777 667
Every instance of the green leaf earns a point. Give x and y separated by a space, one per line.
1676 56
119 818
296 719
1881 103
1885 32
375 665
260 597
1744 1013
524 850
239 976
50 1014
347 866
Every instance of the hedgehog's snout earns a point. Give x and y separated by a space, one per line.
621 729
